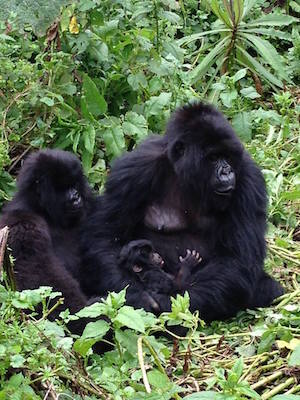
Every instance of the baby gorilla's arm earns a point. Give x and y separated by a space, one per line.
187 263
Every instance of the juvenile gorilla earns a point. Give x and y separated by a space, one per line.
52 199
195 187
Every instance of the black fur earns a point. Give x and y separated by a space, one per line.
170 190
43 220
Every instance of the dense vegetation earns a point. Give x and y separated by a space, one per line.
97 76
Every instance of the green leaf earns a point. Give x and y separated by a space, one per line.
273 20
82 346
222 15
92 311
294 195
135 125
242 125
87 160
156 104
294 359
196 36
48 101
239 75
95 102
286 397
238 367
250 93
137 80
89 136
131 318
249 392
114 140
214 55
95 330
248 5
158 379
266 342
268 32
209 395
269 53
257 68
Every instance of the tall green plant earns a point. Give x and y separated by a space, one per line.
239 37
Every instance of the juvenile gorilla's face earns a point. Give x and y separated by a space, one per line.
55 184
205 155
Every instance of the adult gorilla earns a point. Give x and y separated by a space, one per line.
52 199
193 188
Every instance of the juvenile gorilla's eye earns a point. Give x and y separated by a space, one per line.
179 149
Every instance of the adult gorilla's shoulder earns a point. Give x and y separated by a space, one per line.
197 188
44 218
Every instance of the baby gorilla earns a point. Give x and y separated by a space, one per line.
139 258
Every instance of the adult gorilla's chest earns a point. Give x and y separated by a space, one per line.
172 231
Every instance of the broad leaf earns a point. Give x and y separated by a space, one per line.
209 395
295 357
114 140
89 136
242 125
95 102
95 330
131 318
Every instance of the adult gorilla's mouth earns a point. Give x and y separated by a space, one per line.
226 191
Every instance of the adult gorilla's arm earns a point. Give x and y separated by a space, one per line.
234 278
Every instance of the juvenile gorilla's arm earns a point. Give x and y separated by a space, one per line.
36 264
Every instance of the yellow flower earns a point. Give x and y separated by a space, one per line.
73 26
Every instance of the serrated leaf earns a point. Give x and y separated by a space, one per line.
268 32
131 318
95 330
273 20
95 102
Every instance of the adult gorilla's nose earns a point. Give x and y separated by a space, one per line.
74 197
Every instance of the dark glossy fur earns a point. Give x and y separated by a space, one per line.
43 234
227 231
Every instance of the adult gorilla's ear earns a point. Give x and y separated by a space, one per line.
176 150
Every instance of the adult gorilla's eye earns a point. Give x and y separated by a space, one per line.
179 149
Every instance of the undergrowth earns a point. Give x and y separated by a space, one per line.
96 77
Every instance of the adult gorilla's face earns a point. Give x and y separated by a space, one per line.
205 154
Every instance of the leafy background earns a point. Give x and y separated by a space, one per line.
96 77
